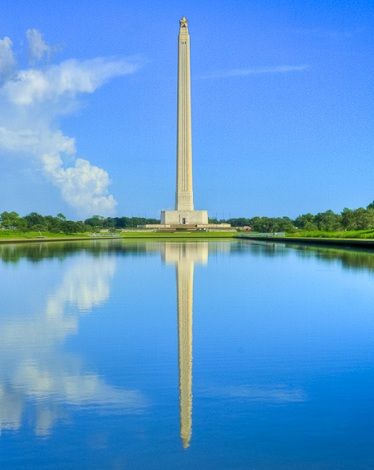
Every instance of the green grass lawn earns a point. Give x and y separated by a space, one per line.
362 234
14 234
8 235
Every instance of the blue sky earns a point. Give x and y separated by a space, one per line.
282 103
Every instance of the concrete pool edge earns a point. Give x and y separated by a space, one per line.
342 242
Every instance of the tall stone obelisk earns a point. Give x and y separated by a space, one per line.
184 191
184 213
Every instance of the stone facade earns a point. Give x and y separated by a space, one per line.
183 217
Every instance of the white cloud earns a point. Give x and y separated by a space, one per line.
82 185
244 72
63 81
36 373
32 101
85 285
38 48
7 59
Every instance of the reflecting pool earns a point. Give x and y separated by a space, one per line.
177 355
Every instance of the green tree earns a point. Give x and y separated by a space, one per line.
10 220
239 222
328 221
348 219
363 218
305 222
34 219
96 221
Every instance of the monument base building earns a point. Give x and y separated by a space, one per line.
180 217
195 220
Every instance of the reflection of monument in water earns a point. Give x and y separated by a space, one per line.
184 256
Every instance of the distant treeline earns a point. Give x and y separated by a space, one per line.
60 224
348 219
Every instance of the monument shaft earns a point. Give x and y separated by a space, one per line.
184 190
184 213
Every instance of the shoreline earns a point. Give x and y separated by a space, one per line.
129 236
342 242
52 239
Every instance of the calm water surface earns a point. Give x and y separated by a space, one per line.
172 355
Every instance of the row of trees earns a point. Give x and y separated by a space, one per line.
348 219
60 224
118 222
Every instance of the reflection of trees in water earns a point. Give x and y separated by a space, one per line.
349 258
259 248
36 252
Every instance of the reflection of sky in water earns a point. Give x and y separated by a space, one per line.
36 371
97 356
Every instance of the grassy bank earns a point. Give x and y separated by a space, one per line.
18 235
349 234
9 236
